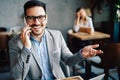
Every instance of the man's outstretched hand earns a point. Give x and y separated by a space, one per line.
89 51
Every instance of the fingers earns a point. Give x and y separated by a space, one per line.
94 52
99 51
25 31
77 14
28 33
89 51
94 46
25 36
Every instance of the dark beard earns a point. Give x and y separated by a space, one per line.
37 34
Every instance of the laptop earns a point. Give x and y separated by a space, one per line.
100 77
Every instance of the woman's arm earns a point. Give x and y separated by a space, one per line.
91 24
76 22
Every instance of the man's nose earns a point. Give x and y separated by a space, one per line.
36 21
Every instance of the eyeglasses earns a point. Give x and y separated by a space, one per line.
40 18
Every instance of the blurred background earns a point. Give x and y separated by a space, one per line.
61 15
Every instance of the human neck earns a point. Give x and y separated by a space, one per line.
38 37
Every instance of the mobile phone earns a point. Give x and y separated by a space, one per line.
25 21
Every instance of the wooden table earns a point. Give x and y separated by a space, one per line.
85 36
6 33
75 39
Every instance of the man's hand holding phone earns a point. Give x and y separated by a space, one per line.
25 36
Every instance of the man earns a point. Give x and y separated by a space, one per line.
36 53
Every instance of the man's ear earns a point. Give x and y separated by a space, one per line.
46 18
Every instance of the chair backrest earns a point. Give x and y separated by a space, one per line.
15 29
4 41
116 52
111 56
65 69
4 55
2 29
88 11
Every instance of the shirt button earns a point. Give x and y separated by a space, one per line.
43 65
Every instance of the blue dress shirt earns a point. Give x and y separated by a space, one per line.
42 50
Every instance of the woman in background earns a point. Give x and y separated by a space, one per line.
82 20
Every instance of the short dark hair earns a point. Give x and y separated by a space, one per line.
33 3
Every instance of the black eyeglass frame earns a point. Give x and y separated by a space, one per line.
41 18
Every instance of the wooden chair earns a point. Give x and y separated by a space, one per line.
16 29
88 11
110 59
65 68
4 57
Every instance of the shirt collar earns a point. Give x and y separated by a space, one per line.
33 39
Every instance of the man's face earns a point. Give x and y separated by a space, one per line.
36 18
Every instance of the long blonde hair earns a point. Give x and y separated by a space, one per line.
84 16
